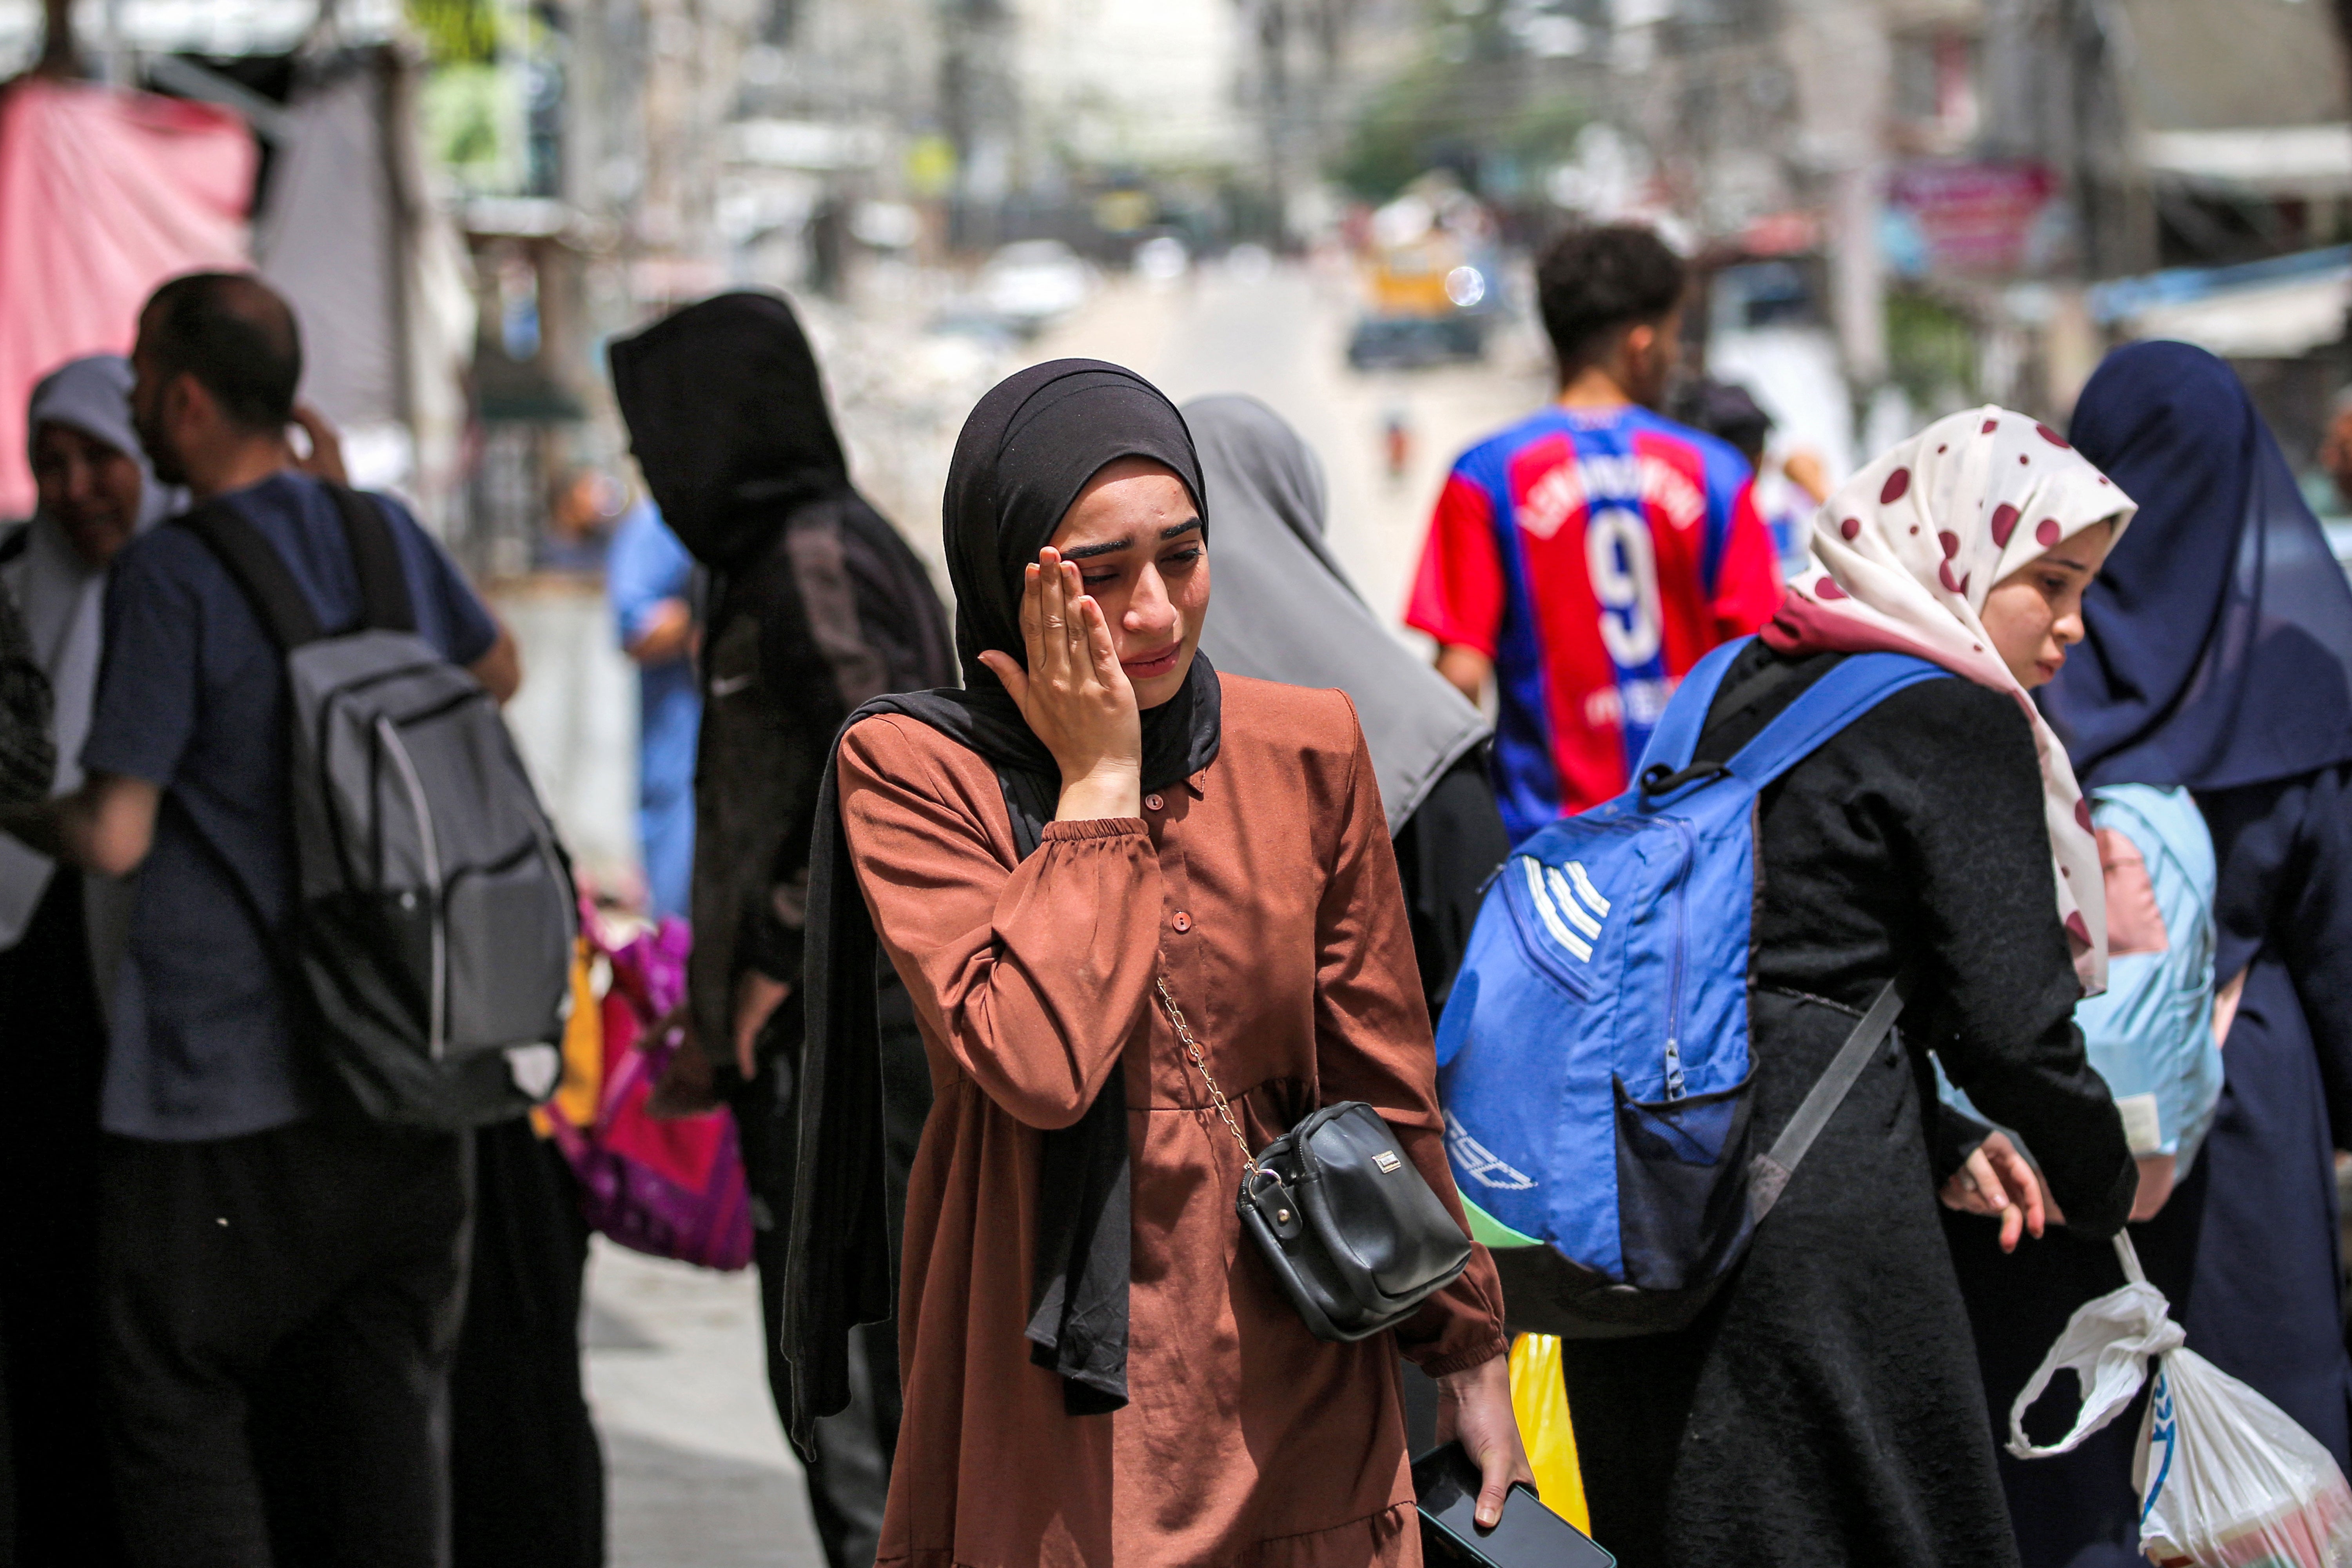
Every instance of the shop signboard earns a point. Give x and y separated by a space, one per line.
1974 219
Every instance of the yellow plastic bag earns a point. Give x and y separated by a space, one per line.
1539 1399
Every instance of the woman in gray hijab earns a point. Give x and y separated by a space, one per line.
1286 612
60 930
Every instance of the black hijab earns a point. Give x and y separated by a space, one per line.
2220 631
727 418
1028 448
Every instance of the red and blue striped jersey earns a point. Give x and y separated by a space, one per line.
1595 555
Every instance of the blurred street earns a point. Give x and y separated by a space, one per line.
1281 337
1275 331
697 1473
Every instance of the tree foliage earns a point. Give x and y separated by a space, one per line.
1486 117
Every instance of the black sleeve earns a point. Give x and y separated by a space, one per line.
2254 829
1952 1134
819 647
774 922
1446 852
818 654
1996 1000
2285 854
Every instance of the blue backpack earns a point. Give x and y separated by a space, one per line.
1593 1058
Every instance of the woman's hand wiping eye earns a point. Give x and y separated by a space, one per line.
1074 695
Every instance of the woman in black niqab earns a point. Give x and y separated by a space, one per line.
1025 453
813 604
2219 657
728 421
2220 651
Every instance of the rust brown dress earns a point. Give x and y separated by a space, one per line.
1266 887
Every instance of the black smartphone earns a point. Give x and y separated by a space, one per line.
1445 1482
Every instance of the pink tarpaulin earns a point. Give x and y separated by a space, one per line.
104 195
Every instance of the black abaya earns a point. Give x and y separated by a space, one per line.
2266 1305
1827 1408
1446 853
2077 1510
2246 1250
53 1039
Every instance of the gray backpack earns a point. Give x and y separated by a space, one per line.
434 918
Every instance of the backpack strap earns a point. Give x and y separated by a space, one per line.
1854 688
1769 1173
271 588
1675 735
375 556
279 601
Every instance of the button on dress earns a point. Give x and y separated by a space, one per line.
1266 890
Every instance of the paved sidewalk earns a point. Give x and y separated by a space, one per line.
698 1472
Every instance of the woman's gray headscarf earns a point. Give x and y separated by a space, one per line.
62 597
1282 609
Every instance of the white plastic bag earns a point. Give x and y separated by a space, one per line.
2107 1343
2225 1478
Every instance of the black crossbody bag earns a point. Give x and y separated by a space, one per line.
1350 1229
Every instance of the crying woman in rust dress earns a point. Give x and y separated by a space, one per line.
1099 1369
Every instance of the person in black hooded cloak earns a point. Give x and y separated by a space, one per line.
816 605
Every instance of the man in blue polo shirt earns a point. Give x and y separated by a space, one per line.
269 1258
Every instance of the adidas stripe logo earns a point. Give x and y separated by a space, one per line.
1566 902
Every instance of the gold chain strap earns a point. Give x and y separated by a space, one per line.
1216 1095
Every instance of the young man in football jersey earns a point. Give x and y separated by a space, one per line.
1590 554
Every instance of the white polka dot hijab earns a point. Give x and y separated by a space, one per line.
1902 558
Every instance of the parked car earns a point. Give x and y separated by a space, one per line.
1033 283
1409 342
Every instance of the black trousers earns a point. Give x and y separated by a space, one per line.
53 1041
279 1314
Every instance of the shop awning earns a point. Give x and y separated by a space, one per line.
2272 124
2281 161
104 195
2280 309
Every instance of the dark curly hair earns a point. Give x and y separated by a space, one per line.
236 335
1592 282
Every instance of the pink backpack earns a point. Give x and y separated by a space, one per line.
672 1188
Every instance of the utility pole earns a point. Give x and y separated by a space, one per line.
1275 109
1840 57
1301 48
